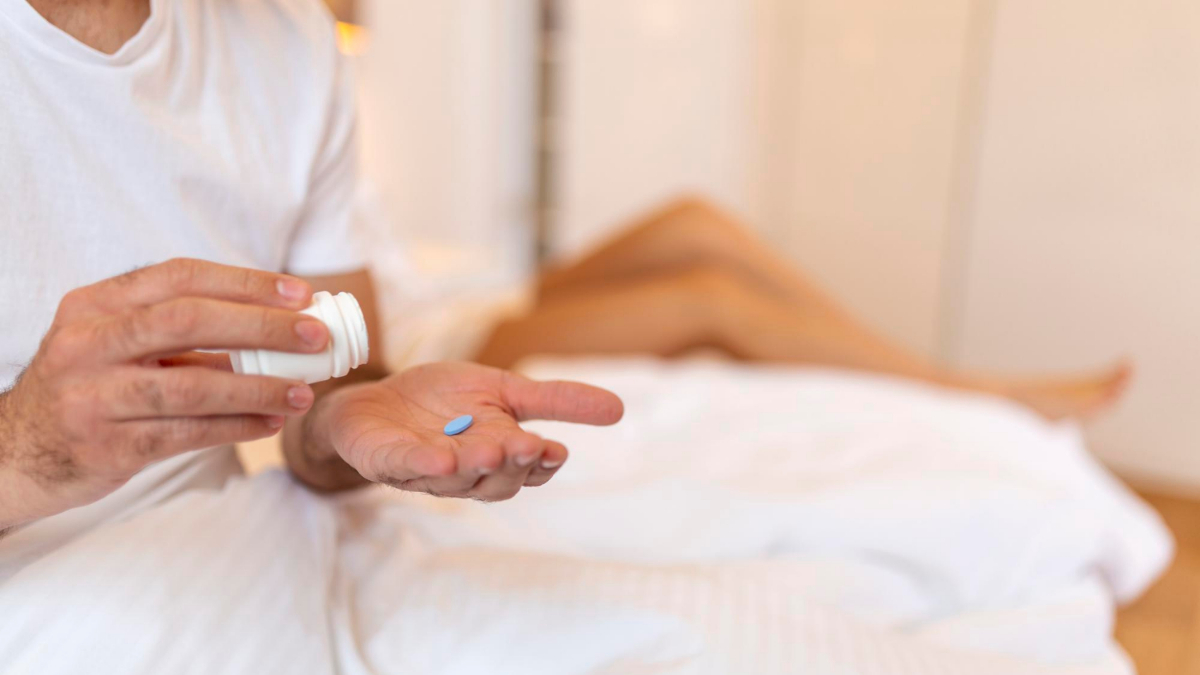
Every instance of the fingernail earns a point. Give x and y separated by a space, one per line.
275 421
312 332
524 460
551 464
484 471
292 289
300 397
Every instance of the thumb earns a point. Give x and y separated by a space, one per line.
560 401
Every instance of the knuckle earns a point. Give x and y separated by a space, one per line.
249 283
63 346
73 304
177 318
132 328
182 392
180 273
269 324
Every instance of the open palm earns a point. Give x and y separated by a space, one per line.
391 431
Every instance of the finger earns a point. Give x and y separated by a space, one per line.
438 487
187 324
142 393
498 487
552 460
400 464
522 452
211 360
523 449
480 459
186 277
559 400
448 486
158 438
475 461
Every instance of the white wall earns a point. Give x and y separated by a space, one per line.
655 101
1085 239
447 95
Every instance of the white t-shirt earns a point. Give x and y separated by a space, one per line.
223 130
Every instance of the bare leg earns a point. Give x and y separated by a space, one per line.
682 236
678 311
693 234
690 276
664 316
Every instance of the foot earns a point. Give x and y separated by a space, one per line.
1077 398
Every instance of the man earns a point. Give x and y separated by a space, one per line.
197 142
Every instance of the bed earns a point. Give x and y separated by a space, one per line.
739 520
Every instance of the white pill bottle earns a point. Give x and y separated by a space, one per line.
348 346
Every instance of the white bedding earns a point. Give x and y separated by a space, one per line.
739 520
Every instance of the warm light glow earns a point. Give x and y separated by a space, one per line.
352 39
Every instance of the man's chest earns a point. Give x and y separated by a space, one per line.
99 162
101 177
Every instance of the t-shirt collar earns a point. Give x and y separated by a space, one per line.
48 36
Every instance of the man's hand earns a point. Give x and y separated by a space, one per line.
116 385
391 431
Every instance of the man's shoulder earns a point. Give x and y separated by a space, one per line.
307 20
284 29
284 53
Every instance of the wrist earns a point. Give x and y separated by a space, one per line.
9 500
21 500
312 451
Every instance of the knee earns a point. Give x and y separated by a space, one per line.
697 221
716 302
706 287
691 209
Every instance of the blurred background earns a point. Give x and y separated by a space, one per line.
1008 186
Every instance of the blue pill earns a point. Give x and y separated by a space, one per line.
457 426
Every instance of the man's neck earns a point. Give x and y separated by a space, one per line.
103 25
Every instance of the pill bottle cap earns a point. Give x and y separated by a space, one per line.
349 345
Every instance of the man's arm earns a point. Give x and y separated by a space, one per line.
114 385
309 454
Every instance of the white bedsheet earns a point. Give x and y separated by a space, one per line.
739 520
